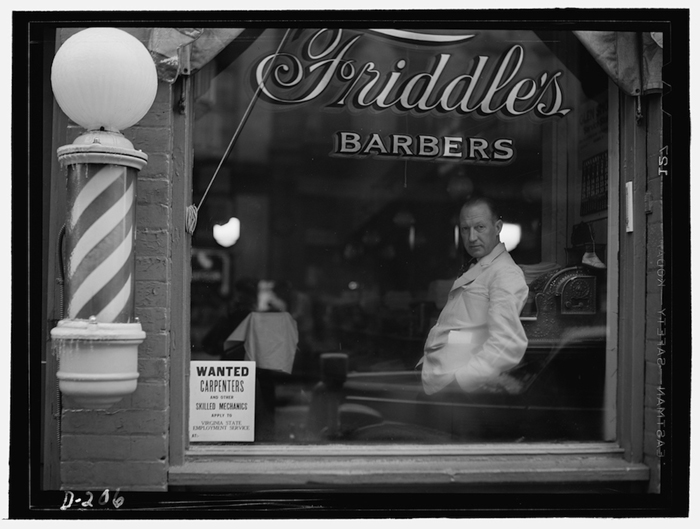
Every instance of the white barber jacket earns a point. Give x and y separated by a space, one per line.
478 334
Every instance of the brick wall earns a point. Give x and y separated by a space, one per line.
126 446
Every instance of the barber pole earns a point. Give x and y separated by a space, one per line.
100 241
105 80
97 343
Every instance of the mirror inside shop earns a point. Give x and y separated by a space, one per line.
333 246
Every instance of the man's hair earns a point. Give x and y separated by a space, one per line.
490 203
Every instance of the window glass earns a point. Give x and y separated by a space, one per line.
333 249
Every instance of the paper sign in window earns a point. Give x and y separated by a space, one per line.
222 401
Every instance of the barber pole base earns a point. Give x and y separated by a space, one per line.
97 362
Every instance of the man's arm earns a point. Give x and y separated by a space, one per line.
507 341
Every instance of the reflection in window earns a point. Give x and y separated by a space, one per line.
349 222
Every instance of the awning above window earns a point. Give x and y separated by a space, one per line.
632 59
183 51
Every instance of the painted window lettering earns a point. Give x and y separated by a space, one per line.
348 143
295 81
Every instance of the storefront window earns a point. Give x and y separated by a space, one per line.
330 239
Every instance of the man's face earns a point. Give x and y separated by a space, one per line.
480 231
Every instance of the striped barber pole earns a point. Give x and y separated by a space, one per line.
100 234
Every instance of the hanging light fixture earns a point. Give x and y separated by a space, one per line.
511 235
227 234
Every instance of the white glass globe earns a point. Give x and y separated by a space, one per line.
104 78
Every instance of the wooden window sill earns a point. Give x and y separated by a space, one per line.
238 467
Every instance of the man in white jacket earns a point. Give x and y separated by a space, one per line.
478 334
